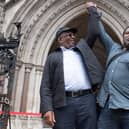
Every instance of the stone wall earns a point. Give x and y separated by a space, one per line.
2 13
27 122
40 19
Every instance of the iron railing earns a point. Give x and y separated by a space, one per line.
8 54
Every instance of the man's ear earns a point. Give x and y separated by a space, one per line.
59 39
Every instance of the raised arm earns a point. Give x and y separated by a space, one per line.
96 28
93 19
105 38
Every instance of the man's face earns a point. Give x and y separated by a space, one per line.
67 39
126 38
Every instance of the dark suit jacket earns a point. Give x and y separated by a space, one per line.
52 90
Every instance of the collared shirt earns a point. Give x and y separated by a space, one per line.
75 75
116 82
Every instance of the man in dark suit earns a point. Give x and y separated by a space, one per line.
70 74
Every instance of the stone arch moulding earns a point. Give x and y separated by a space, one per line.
113 22
59 16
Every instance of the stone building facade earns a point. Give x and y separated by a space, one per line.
40 20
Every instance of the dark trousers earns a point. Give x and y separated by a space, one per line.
80 113
106 119
113 118
122 118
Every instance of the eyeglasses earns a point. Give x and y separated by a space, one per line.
126 31
64 35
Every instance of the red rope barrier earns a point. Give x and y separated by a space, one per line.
24 114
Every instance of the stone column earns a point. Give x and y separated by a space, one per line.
36 97
15 85
28 68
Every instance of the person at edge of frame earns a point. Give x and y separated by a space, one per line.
113 96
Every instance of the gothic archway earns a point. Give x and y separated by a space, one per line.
40 20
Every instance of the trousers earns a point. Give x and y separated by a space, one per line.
79 113
106 119
113 118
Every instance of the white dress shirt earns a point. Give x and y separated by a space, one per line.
75 75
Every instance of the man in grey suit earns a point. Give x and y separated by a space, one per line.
70 74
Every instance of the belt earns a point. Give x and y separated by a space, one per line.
78 93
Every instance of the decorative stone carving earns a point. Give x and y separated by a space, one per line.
64 6
2 14
47 5
125 3
114 10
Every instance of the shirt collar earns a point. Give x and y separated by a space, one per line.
65 49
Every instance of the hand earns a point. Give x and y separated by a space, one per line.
49 118
90 4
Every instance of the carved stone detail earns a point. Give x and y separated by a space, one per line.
64 6
116 12
2 14
48 4
125 3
